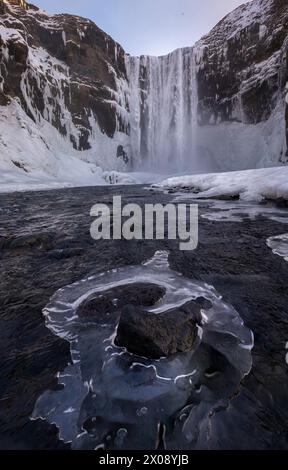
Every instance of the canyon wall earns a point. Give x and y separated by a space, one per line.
66 88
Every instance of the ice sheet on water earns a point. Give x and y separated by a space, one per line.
279 245
237 211
109 388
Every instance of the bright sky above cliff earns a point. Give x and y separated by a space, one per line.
151 26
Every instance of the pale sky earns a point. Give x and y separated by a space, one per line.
148 26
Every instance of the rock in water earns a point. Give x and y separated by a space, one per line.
160 335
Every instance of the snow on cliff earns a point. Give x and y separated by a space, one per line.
60 97
28 161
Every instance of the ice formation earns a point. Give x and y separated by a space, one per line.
116 400
279 245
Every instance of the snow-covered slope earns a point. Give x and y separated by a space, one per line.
28 149
249 185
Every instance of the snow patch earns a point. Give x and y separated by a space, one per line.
36 156
249 185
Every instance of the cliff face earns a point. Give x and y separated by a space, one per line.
242 73
240 63
68 88
66 74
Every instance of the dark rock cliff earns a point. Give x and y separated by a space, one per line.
242 65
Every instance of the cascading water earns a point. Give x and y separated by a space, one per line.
163 110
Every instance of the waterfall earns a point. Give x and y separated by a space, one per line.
163 110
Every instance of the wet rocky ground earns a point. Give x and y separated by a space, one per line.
45 244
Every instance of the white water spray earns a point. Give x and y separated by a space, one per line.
163 110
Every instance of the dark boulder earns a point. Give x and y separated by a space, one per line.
160 335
